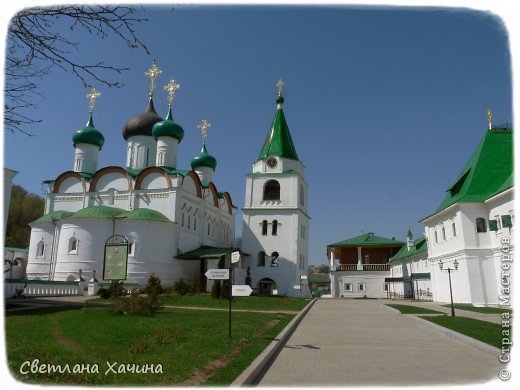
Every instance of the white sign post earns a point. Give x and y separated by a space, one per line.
240 290
235 257
217 274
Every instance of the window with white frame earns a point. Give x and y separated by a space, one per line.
347 287
361 287
131 248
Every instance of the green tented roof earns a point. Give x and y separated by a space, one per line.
318 280
279 141
488 171
54 216
11 249
98 212
145 215
368 239
168 170
206 252
419 246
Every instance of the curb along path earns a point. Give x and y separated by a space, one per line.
362 342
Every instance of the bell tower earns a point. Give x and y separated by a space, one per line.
276 220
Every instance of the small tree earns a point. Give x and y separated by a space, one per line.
153 287
215 290
180 287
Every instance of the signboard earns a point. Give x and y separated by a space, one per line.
235 257
297 287
303 277
220 274
239 290
116 258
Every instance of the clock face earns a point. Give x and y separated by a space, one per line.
272 162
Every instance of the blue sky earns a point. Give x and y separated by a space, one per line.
385 105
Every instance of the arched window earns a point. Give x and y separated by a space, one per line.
302 195
436 238
189 222
454 229
73 245
272 190
40 249
182 222
481 225
264 228
275 227
274 259
261 259
443 234
195 223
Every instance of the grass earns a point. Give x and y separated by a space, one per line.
249 303
484 331
486 310
192 346
408 309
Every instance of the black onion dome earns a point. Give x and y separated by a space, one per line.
142 124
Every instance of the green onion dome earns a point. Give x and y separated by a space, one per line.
142 124
88 135
204 159
168 128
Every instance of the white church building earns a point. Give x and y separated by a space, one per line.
163 211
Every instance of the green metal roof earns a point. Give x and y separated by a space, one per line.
98 212
171 171
421 276
144 215
206 252
204 159
368 239
318 280
11 249
279 141
488 171
168 128
54 216
88 135
419 246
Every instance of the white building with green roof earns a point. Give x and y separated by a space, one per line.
473 227
165 212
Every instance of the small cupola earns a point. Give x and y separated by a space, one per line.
88 141
167 133
204 164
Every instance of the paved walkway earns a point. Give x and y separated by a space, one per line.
363 342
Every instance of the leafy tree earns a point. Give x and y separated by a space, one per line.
41 39
23 209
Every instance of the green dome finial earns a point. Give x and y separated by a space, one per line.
168 128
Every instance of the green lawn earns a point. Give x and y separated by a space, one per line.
192 346
408 309
251 302
484 331
486 310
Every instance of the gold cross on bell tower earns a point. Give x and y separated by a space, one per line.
490 117
204 126
92 96
153 73
171 87
280 85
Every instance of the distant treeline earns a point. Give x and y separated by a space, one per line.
23 209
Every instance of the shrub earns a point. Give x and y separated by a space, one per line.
215 290
136 304
180 287
224 292
153 287
104 293
194 287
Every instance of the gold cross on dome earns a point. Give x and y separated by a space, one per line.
92 96
153 73
204 126
171 87
280 85
490 117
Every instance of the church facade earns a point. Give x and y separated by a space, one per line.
162 210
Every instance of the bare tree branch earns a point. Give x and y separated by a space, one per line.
36 45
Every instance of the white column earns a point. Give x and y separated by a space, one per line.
332 274
359 259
